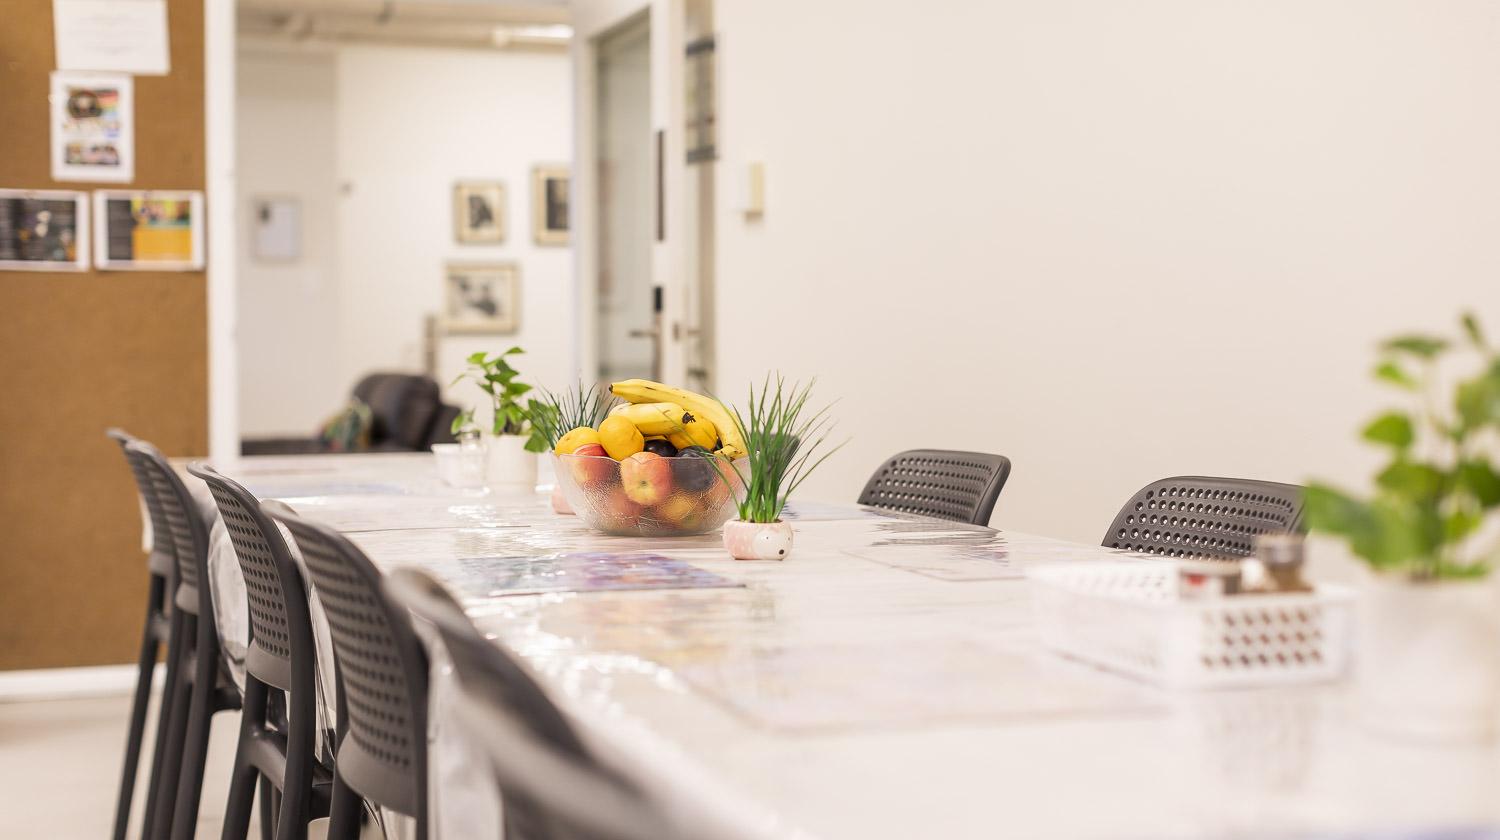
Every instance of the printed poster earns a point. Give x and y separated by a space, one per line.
93 127
44 230
148 231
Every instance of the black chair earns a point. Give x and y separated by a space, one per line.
382 677
159 570
282 657
961 486
1201 517
407 409
551 786
197 684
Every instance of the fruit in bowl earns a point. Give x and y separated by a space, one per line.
656 465
646 494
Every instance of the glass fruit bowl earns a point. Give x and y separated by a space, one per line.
647 496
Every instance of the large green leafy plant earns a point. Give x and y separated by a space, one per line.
495 376
1425 515
782 436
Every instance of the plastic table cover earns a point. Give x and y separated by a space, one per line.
883 682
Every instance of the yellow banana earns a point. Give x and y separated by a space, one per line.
656 418
732 444
695 432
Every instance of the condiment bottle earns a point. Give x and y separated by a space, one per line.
1281 555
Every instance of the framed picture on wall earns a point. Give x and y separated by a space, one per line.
549 204
482 298
151 230
44 230
479 212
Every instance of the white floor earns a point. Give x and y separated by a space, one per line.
60 769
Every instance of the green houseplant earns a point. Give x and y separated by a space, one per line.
783 438
514 438
1428 630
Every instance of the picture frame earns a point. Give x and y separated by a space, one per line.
481 298
148 230
479 212
44 230
550 184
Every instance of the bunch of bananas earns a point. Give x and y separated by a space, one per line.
682 417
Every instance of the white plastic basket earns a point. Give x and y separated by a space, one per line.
1127 617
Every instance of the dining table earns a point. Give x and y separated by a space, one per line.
886 680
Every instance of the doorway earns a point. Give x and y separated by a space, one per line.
628 324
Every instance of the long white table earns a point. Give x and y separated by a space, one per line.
884 682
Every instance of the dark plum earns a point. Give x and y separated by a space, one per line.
661 447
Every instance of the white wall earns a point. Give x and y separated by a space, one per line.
1114 241
372 140
288 329
411 123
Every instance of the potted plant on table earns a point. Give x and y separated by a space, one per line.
514 438
1429 651
782 438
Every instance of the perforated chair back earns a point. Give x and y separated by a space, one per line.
480 665
1202 517
280 625
552 787
184 527
961 486
382 672
161 559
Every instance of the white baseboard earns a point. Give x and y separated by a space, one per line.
72 683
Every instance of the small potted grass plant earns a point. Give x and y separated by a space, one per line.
782 441
556 414
514 438
1430 624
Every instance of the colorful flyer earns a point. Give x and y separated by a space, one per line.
93 127
44 230
148 231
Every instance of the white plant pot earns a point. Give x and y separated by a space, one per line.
1429 659
510 465
758 540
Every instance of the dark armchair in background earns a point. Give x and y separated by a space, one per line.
407 413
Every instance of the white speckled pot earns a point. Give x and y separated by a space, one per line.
758 540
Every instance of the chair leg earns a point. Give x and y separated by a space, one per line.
343 811
242 781
170 724
150 646
301 746
195 745
267 810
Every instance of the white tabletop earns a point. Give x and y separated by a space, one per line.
880 684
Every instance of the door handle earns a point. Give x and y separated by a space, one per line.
653 332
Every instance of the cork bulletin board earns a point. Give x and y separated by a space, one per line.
80 352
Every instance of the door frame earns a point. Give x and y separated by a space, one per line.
591 21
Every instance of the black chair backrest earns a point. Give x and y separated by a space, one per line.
185 528
161 560
402 406
281 643
551 786
382 672
1204 517
945 484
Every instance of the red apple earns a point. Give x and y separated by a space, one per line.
594 467
647 478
